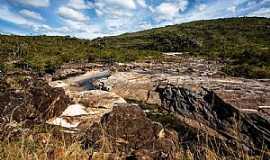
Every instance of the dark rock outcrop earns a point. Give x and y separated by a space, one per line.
24 97
202 118
127 130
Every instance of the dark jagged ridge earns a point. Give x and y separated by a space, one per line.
229 130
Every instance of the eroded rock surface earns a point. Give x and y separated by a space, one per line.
24 97
90 105
219 125
138 80
127 130
218 118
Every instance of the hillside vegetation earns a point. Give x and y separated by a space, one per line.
242 43
44 53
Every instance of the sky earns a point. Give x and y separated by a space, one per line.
89 19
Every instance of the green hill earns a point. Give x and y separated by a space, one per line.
201 36
243 43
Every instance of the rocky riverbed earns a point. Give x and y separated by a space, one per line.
138 81
146 110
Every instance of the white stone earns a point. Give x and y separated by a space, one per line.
60 121
58 84
74 110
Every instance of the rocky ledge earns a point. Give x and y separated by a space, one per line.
24 97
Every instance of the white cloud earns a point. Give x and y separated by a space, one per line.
119 16
7 15
69 27
120 13
99 12
17 19
115 25
69 13
142 3
34 3
263 12
128 4
232 9
144 25
80 4
202 7
217 9
75 22
182 5
169 10
80 29
115 4
31 14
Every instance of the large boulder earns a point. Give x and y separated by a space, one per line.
24 97
128 131
204 119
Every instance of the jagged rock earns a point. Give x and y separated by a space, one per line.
228 130
127 130
23 97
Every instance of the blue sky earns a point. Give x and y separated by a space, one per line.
97 18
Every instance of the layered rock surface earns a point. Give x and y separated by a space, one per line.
136 81
24 97
204 113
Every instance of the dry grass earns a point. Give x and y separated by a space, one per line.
31 151
41 146
52 144
47 147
